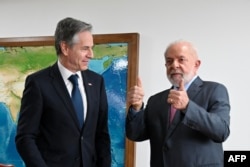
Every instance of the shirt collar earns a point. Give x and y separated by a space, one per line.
186 86
66 73
189 83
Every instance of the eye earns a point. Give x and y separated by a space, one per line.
182 60
85 48
169 62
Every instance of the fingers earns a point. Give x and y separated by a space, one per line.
139 83
135 95
181 85
175 95
138 90
178 98
170 100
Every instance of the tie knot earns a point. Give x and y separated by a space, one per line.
73 79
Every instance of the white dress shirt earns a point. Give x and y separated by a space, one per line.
66 74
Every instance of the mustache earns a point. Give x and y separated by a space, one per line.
175 72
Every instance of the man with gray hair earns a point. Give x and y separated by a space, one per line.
64 112
186 124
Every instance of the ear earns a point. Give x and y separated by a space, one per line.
197 64
64 48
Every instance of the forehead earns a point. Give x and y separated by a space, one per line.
179 50
85 38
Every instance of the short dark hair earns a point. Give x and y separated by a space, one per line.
67 29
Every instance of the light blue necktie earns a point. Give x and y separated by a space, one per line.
77 98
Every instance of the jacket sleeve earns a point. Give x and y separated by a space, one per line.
211 117
135 125
28 125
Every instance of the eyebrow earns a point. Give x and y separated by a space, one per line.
87 47
177 57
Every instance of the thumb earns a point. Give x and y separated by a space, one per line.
181 85
139 83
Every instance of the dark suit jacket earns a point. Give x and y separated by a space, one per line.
48 133
194 139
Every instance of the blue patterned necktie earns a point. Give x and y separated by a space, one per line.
77 98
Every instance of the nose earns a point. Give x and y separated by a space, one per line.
175 64
90 55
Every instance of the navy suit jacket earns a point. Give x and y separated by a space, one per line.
48 133
194 138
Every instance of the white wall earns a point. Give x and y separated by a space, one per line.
220 29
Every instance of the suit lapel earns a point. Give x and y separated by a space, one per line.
175 123
194 88
88 86
164 112
61 89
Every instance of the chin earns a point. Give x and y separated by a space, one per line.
174 82
84 68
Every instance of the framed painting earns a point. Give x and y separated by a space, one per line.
115 58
